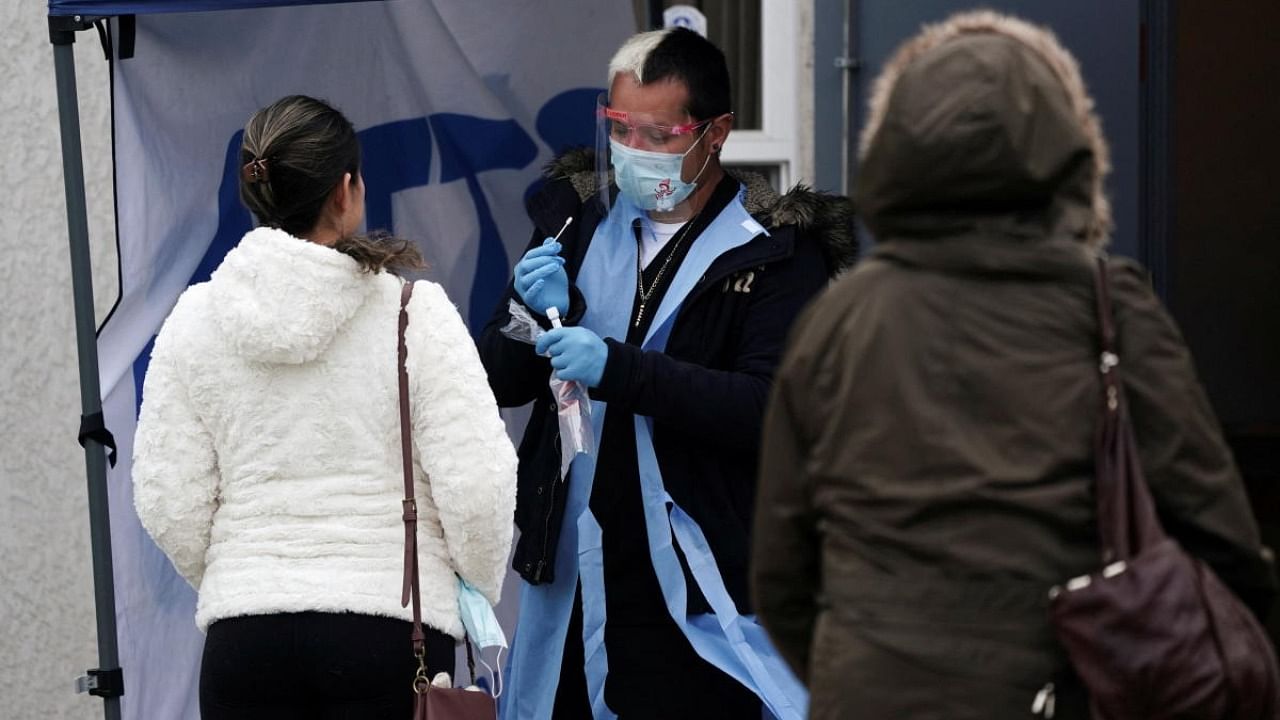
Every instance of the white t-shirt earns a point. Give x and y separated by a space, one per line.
653 237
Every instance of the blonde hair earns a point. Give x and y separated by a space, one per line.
631 57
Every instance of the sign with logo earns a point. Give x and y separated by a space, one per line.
685 16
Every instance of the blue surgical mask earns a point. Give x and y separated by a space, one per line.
482 625
652 180
478 617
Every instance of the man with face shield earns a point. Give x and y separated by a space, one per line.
676 282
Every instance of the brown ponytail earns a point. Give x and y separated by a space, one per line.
378 251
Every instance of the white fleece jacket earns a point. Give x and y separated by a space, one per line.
267 456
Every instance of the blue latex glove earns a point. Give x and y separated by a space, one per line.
576 353
540 279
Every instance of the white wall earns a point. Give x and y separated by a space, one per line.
804 96
47 629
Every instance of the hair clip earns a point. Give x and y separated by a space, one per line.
255 171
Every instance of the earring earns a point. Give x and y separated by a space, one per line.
715 148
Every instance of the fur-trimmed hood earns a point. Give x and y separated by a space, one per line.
825 217
983 123
281 299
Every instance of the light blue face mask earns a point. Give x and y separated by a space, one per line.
652 180
482 627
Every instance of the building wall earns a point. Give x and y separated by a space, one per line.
1223 246
805 170
46 585
1223 254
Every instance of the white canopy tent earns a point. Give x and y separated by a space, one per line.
458 103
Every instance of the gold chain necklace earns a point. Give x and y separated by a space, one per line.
657 279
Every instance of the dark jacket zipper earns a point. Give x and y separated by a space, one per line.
546 525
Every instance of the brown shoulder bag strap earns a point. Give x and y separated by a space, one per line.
410 589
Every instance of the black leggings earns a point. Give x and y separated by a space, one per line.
333 666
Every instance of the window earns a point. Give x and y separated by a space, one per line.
764 71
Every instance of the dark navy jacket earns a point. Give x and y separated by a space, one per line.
706 394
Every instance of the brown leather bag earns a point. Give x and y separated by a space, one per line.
1154 634
429 702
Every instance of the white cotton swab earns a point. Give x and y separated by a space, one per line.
563 228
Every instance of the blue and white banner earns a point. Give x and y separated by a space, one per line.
459 104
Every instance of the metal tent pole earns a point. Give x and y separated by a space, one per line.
107 680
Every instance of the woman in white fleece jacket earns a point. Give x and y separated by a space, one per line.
267 456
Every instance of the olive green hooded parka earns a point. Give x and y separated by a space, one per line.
927 468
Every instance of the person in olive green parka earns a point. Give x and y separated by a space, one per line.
927 462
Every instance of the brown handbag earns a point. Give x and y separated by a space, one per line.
429 702
1154 634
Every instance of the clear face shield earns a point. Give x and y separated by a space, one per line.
604 169
648 156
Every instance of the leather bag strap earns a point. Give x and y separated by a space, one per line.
410 589
410 592
1127 521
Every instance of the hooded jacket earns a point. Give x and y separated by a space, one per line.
706 393
267 459
927 468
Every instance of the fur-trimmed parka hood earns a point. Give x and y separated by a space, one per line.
825 217
281 299
982 124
